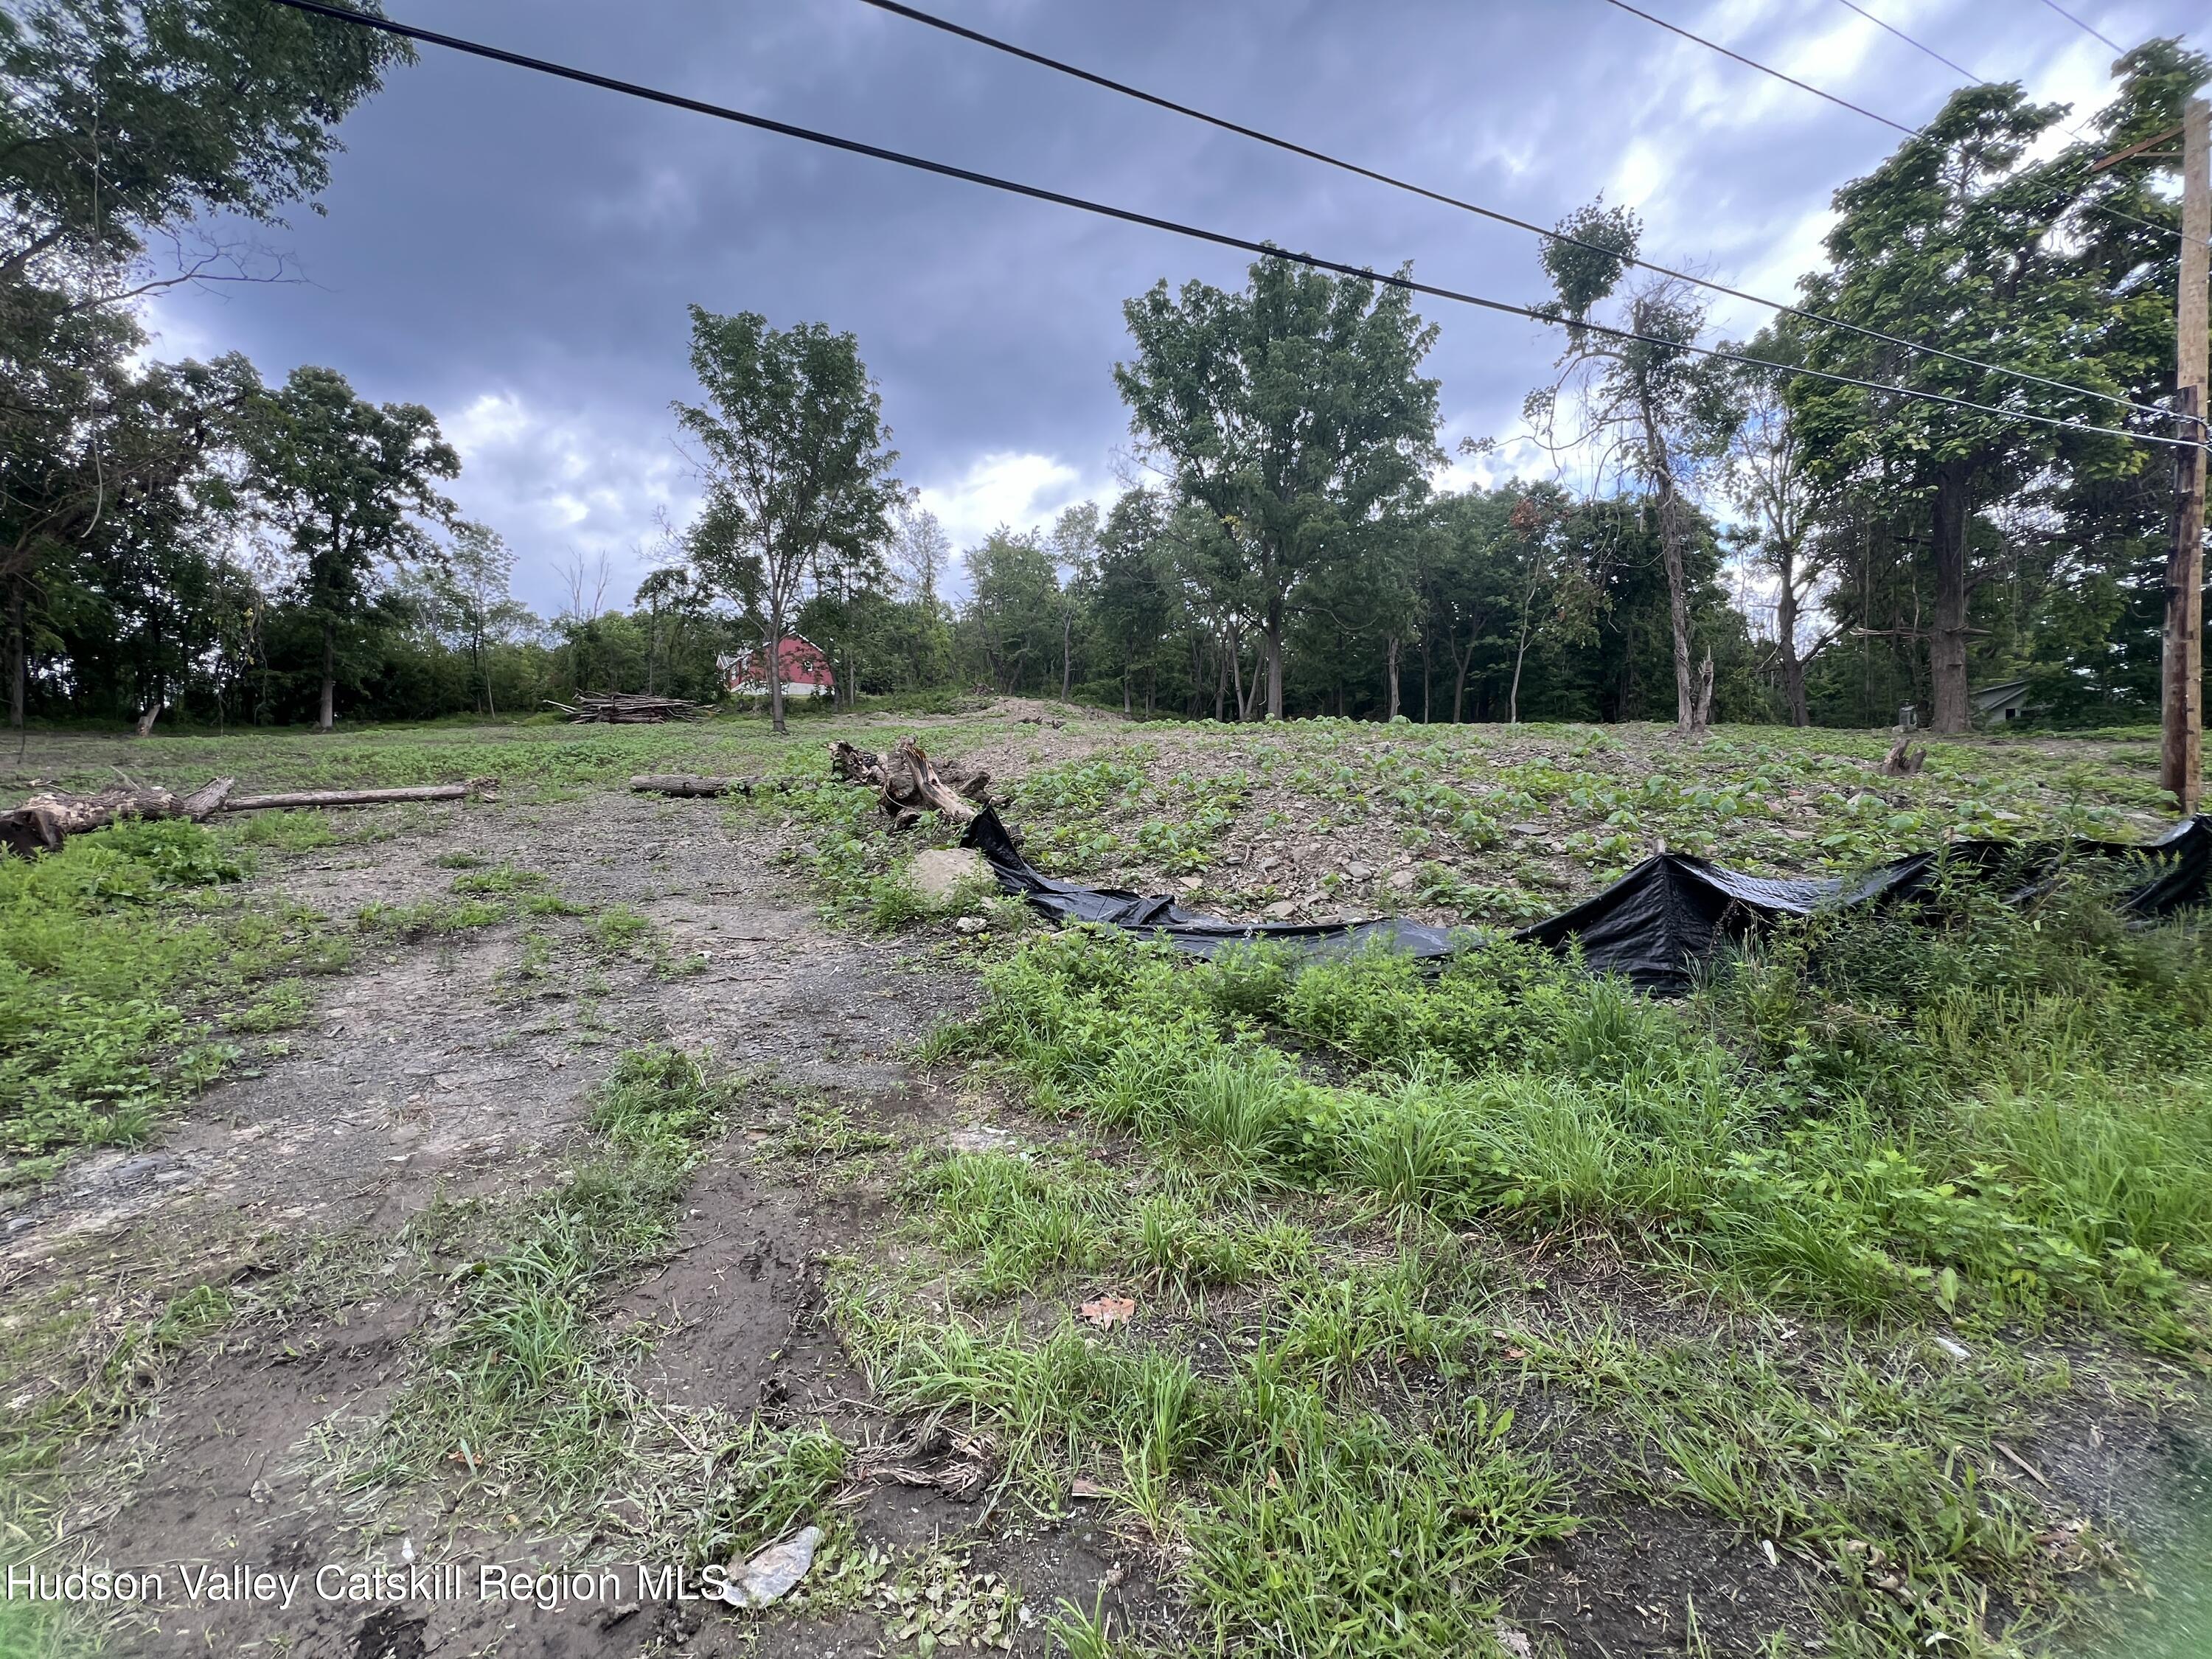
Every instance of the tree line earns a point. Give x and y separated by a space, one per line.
1705 539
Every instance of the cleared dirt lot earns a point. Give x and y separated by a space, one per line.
264 1335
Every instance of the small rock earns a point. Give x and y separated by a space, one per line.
1526 829
1281 910
1400 880
971 925
939 874
170 1177
1357 872
1270 863
1192 883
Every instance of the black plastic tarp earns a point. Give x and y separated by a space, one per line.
1200 936
1654 925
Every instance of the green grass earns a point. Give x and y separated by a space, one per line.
1982 1125
112 952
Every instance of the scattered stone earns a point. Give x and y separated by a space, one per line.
1271 862
1281 910
1357 872
971 925
1526 829
938 874
1400 880
1192 883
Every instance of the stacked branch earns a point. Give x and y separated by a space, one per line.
908 785
624 709
44 822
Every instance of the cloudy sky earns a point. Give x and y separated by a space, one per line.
517 251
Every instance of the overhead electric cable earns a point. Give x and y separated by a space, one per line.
1196 233
1750 63
930 20
2083 27
1763 69
1915 45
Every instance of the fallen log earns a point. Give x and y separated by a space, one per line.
44 822
681 783
348 797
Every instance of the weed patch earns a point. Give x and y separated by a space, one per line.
109 949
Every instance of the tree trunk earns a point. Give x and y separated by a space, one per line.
1459 681
1390 671
1785 625
329 716
1513 692
1274 656
18 654
1125 693
1674 532
1947 644
1066 660
774 670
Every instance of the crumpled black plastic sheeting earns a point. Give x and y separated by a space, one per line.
1654 924
1188 931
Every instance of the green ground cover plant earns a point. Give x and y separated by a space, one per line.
114 952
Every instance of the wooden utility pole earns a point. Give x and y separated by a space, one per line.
2181 765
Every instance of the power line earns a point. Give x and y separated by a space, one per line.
2083 27
930 20
1915 45
1196 233
1915 132
1919 46
1748 63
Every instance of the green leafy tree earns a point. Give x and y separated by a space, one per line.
125 117
472 585
792 448
1959 240
1295 412
1769 484
352 486
1646 405
1015 606
1131 604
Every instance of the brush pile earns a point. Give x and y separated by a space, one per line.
624 709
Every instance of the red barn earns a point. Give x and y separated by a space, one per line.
806 670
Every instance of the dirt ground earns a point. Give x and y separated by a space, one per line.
422 1075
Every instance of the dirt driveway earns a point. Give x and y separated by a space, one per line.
447 1068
